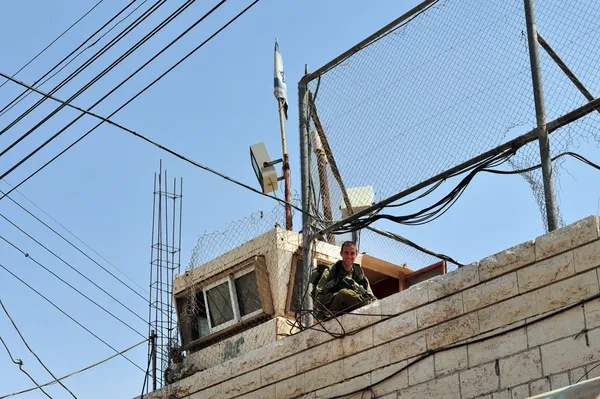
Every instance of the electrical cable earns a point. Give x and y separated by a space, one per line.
69 316
73 373
27 255
45 78
54 41
19 362
73 268
74 246
31 350
123 82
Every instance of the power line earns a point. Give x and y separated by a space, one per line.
55 40
72 267
31 350
43 78
69 316
73 245
136 134
75 372
19 362
27 255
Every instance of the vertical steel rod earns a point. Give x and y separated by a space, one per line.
305 182
540 113
153 350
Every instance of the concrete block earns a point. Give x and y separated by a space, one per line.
545 272
592 313
503 394
494 348
445 387
267 392
520 392
520 368
214 392
357 342
396 327
345 388
278 371
452 360
409 346
357 319
569 353
479 380
318 356
290 388
411 298
587 257
559 380
323 376
453 282
593 370
555 327
366 361
208 377
539 301
506 261
453 331
421 371
398 378
577 375
491 292
242 384
440 311
566 238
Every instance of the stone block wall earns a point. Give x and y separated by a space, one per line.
495 329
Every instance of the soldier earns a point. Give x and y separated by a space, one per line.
346 286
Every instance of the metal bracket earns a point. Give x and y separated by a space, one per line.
275 162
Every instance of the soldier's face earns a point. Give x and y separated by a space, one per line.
348 256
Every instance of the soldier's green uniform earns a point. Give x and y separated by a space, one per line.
341 290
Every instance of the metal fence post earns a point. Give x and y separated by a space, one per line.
540 112
307 238
153 355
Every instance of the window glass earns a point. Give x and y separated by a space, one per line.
247 293
219 304
201 328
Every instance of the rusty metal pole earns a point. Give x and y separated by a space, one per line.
286 171
323 181
153 354
540 113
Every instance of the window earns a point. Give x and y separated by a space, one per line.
228 300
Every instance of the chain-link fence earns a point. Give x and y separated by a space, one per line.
440 86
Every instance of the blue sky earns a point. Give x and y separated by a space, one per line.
211 109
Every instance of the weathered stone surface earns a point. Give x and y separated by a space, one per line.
394 383
242 384
290 388
539 301
545 272
479 380
366 361
396 327
453 331
559 326
587 257
346 387
520 392
421 371
501 346
520 368
593 370
263 393
278 371
409 346
577 375
452 360
439 311
568 237
323 376
503 262
317 356
445 387
491 292
358 342
503 394
592 313
569 353
559 381
214 392
453 282
405 300
357 319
